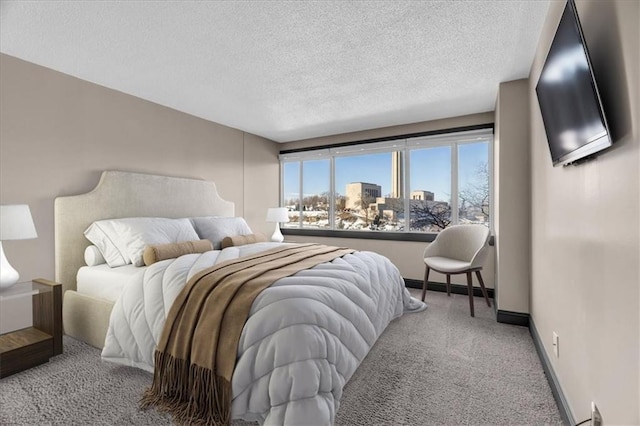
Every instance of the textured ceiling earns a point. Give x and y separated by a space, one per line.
286 70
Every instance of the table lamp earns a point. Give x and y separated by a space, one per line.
277 215
16 223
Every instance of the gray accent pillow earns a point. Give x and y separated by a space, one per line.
215 229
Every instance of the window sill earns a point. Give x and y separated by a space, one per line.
368 235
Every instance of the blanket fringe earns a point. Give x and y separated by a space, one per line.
192 394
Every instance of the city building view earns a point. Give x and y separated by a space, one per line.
380 204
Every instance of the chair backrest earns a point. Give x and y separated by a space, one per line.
463 242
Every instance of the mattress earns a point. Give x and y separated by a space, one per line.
104 282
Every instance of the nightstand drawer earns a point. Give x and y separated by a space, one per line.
23 348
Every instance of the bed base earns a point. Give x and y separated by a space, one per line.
86 318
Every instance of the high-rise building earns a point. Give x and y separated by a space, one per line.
397 175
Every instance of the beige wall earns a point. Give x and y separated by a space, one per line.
511 196
261 181
58 133
407 256
585 236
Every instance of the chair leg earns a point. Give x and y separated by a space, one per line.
424 284
448 285
484 290
470 288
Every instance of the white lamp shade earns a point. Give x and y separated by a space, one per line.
16 223
277 214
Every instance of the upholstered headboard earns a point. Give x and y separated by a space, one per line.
124 194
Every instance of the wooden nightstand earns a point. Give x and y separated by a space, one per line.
31 346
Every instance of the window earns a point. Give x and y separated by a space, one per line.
473 183
315 194
363 192
407 185
430 205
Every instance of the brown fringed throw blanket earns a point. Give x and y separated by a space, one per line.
196 354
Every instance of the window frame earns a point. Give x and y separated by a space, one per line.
404 143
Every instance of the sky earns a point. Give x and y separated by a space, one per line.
430 171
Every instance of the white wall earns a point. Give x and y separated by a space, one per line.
585 236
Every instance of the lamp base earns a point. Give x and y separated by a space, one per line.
8 275
277 236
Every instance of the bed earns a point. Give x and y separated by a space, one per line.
118 194
304 379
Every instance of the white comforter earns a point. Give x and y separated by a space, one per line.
305 336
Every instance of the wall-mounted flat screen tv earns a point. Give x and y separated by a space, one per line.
568 96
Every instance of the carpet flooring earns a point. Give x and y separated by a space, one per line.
437 367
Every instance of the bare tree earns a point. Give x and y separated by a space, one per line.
341 202
363 203
396 205
393 205
475 195
429 214
324 199
316 201
295 202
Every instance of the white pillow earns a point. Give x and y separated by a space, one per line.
104 236
93 257
139 233
215 229
122 241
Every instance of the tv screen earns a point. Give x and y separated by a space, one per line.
568 96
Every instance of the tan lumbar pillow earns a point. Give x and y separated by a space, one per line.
240 240
158 252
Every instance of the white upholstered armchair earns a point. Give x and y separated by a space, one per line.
459 249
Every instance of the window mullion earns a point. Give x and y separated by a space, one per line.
281 184
407 189
332 193
300 198
454 183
